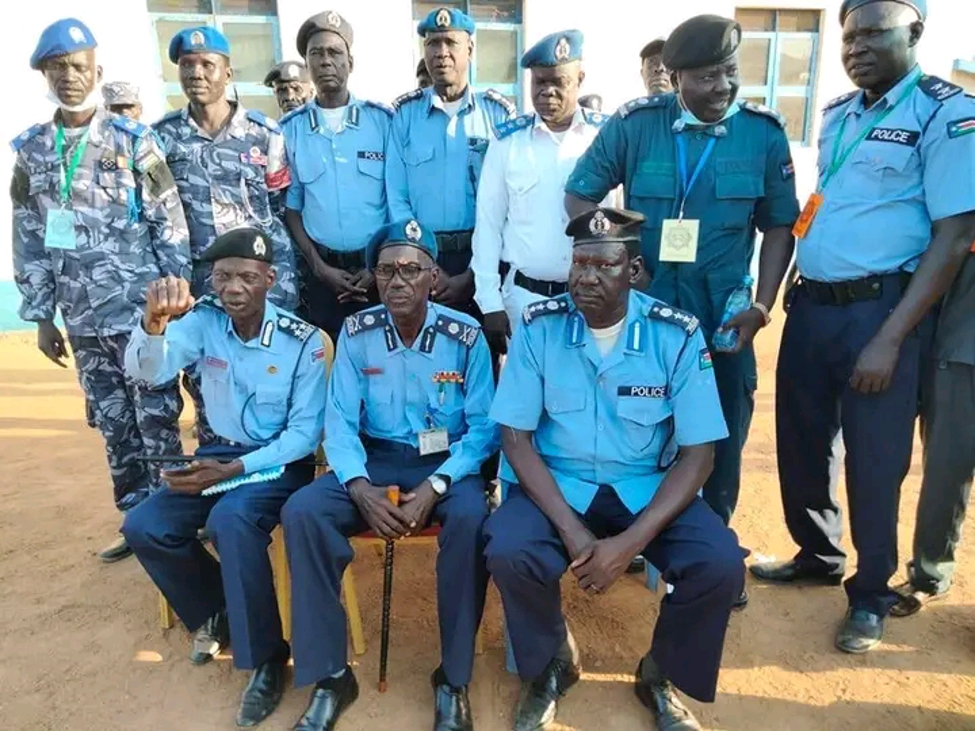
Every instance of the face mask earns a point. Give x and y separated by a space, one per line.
689 118
90 102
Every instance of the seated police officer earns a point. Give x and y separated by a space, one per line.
408 406
264 386
609 412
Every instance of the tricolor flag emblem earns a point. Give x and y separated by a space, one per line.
960 127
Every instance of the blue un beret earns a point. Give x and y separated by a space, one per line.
61 38
849 6
554 49
407 232
442 19
701 41
203 39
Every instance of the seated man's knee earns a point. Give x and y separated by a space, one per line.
467 514
724 565
305 506
507 553
141 526
227 518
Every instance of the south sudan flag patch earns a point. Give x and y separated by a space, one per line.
960 127
705 359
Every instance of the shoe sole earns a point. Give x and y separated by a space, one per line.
860 650
800 581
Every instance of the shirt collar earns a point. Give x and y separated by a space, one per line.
423 343
317 121
857 105
268 336
95 126
540 125
236 127
632 341
436 102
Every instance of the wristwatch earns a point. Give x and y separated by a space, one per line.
439 483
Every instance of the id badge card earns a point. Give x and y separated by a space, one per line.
680 240
432 441
59 230
803 222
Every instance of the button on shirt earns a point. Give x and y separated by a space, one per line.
338 177
382 389
436 159
268 392
915 168
616 420
520 213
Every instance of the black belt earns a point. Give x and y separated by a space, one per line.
855 290
453 241
539 286
348 261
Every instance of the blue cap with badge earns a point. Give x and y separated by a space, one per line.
203 39
850 6
445 19
62 37
554 50
407 232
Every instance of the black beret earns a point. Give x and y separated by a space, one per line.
243 243
287 71
849 6
330 21
605 225
701 41
652 48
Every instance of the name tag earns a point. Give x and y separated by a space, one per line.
59 229
680 240
371 155
643 391
432 441
906 137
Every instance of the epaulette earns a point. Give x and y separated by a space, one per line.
642 102
765 111
409 96
683 319
382 106
28 134
546 307
595 119
294 113
937 88
506 128
369 319
839 100
463 332
129 126
263 119
209 300
168 116
502 101
295 326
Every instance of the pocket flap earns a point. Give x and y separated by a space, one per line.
644 410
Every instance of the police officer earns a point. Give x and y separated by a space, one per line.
609 412
96 217
121 97
519 216
291 83
408 406
656 77
438 140
593 102
264 384
896 174
338 149
422 75
227 161
707 171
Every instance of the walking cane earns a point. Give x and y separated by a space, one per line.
393 495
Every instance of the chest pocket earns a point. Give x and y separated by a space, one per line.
370 163
215 382
644 421
380 411
887 169
180 168
271 406
563 400
309 167
117 185
449 413
44 179
520 178
738 186
416 155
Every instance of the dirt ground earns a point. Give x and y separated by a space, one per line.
80 647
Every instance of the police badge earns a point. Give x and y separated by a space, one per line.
443 18
562 50
412 231
259 246
333 19
599 225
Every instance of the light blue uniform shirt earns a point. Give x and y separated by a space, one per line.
268 393
384 390
338 178
915 168
436 160
617 420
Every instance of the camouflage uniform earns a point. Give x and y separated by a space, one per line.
129 231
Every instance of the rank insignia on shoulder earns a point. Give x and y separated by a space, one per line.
839 100
28 134
366 320
381 106
513 125
502 101
595 119
937 88
295 327
130 125
642 102
766 111
457 330
265 121
409 96
552 306
683 319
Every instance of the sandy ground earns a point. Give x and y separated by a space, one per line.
80 647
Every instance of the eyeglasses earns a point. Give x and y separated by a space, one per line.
408 272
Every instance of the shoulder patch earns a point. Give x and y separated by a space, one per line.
382 106
839 100
642 102
960 127
211 301
369 319
408 97
685 320
502 101
264 120
463 332
130 126
556 305
505 129
766 111
595 119
295 326
28 134
168 117
937 88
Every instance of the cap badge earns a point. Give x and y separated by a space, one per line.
77 34
259 246
412 231
599 225
443 18
291 71
196 38
734 37
333 19
562 50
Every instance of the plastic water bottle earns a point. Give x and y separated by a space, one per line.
740 300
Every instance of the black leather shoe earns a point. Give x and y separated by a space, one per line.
212 637
794 572
452 711
329 699
658 696
860 632
115 551
537 698
262 694
741 601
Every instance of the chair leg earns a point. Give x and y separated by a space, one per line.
353 613
283 581
165 612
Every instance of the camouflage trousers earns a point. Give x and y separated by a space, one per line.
134 419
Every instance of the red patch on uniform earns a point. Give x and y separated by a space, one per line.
318 354
216 362
372 371
279 179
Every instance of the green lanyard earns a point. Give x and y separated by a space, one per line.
68 174
837 160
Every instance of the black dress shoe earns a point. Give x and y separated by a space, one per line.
115 551
537 698
795 572
860 632
262 694
212 637
330 698
658 696
741 601
452 711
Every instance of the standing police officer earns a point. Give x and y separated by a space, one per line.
337 145
96 217
707 172
438 139
407 406
291 83
121 97
609 413
654 75
896 175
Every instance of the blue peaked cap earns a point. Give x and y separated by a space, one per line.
443 19
203 39
555 49
60 38
406 232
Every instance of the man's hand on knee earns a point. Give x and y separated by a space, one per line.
384 518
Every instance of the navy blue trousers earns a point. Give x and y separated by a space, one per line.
162 531
318 521
696 553
820 346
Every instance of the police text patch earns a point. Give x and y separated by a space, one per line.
643 391
376 156
899 136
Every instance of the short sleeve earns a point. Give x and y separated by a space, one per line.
601 168
693 396
519 398
778 207
948 159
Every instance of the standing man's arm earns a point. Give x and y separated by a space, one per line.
599 170
162 209
395 172
491 208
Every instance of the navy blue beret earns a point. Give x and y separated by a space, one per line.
701 41
203 39
605 225
61 38
330 21
555 49
407 232
243 243
443 19
850 6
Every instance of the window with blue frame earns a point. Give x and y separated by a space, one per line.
498 42
251 27
778 63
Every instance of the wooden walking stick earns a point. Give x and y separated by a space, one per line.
393 495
